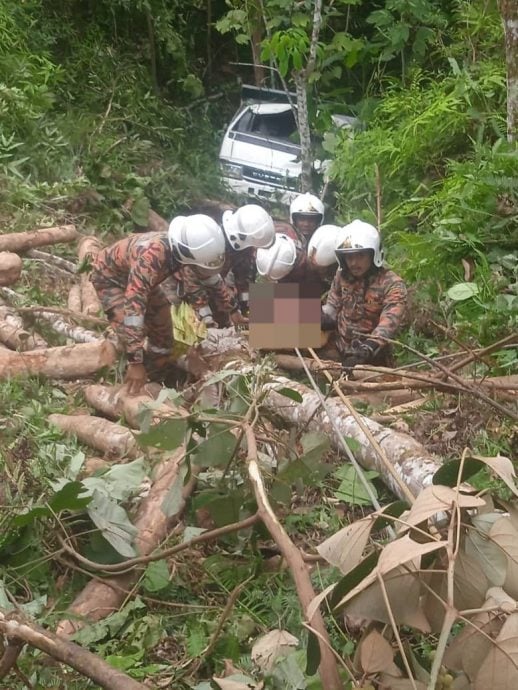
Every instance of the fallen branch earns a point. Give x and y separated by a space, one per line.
83 661
20 242
69 361
13 332
328 668
410 459
114 440
99 598
10 268
52 260
60 326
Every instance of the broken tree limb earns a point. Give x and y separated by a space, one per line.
59 325
101 598
328 669
87 250
10 268
83 661
23 241
410 459
13 332
52 260
114 440
74 298
69 361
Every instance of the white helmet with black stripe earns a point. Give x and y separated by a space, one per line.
249 226
197 240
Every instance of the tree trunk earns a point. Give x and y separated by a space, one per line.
70 361
23 241
87 250
52 260
100 599
114 440
13 333
59 325
509 12
410 459
306 178
10 268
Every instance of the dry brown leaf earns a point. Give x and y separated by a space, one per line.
345 548
390 683
403 550
269 647
503 467
376 654
236 682
505 534
437 499
314 604
499 669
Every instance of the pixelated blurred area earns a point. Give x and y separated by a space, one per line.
284 316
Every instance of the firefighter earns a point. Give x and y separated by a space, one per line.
128 275
277 262
366 302
246 229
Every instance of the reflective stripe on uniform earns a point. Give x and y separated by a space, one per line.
205 311
135 321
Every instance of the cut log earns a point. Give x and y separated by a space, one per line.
114 440
114 402
92 465
13 332
156 223
88 249
59 325
52 260
101 598
70 361
410 459
23 241
74 298
10 268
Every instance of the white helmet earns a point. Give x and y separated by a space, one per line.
249 226
357 236
321 246
306 205
277 261
197 240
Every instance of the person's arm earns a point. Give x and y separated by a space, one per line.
393 312
244 270
332 305
196 293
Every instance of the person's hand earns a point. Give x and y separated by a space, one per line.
209 322
360 353
244 308
135 378
238 319
327 323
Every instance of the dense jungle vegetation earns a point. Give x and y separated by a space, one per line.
106 100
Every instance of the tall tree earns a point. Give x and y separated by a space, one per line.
509 12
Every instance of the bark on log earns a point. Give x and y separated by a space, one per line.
82 660
114 402
114 440
411 460
52 260
74 298
10 268
13 332
23 241
88 249
59 325
70 361
100 599
92 465
156 223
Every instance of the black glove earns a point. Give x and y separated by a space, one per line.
327 323
361 352
244 307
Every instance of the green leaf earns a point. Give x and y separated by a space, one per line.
113 522
353 578
168 434
156 576
140 211
290 393
120 481
67 498
313 654
448 473
351 489
173 499
462 291
217 449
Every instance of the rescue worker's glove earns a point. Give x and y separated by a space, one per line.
209 321
327 322
361 352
